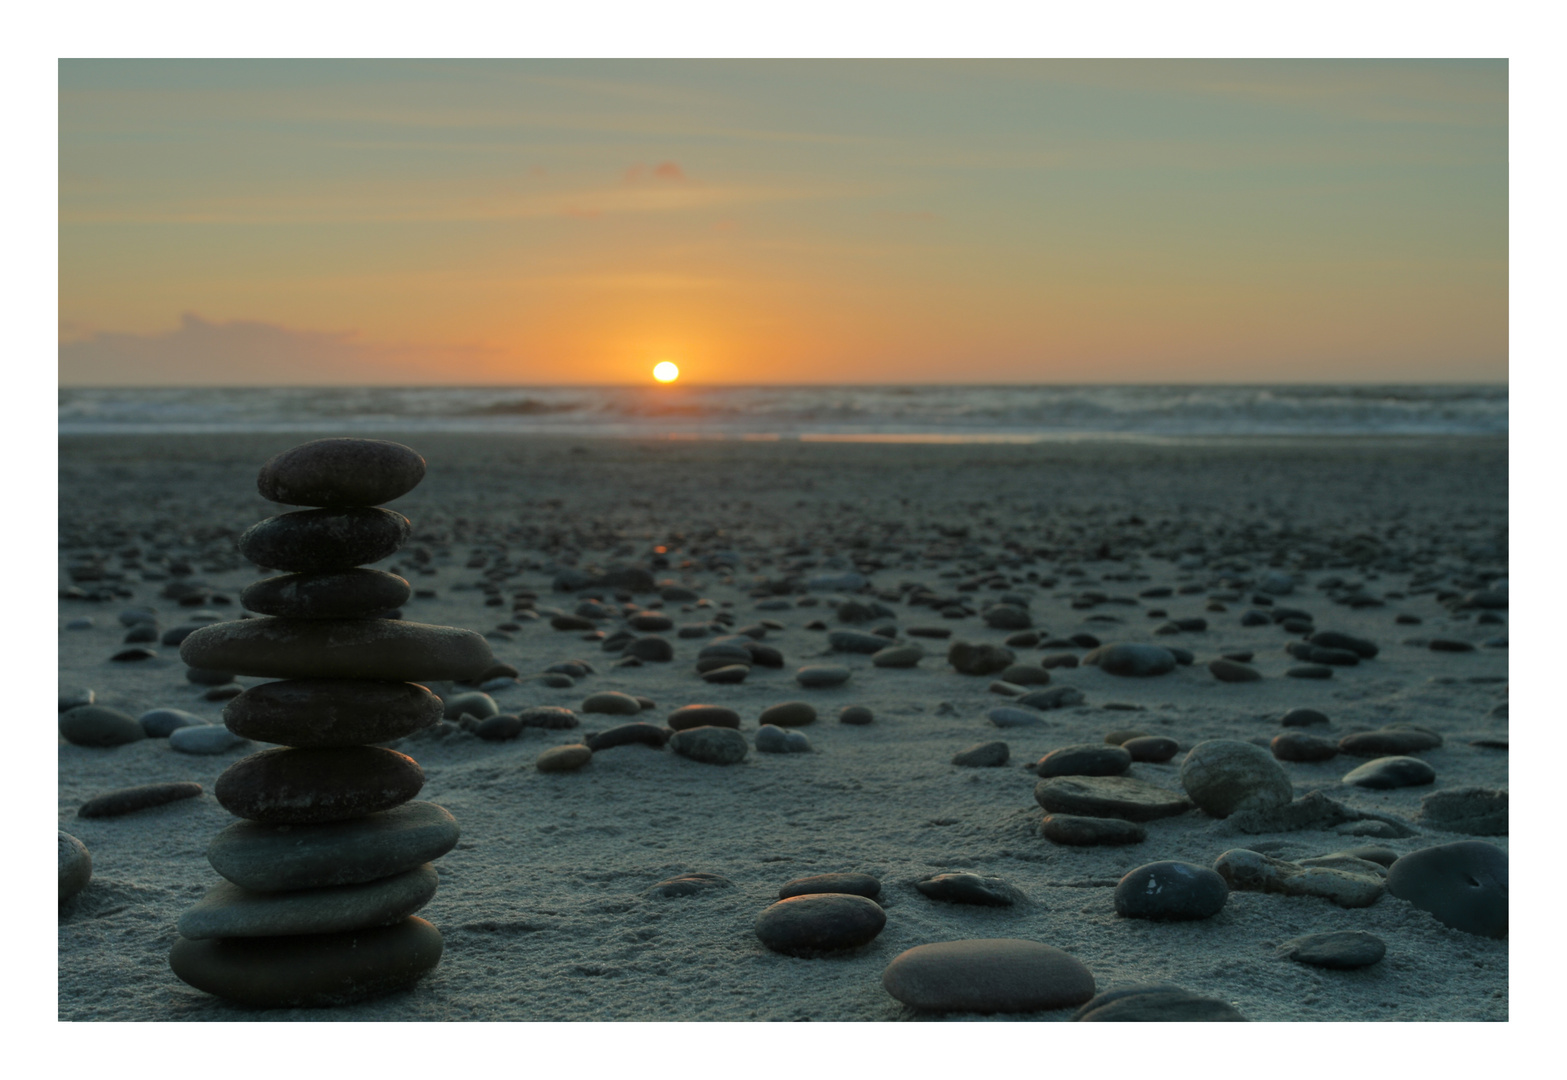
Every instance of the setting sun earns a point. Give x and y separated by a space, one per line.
666 372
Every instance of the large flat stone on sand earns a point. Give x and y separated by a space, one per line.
1109 796
309 970
988 975
276 858
229 911
338 649
331 712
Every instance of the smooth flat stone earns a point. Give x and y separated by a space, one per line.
968 658
854 884
1109 796
1344 880
1341 949
1171 890
99 726
318 541
1090 831
474 703
691 716
689 885
788 714
341 472
309 970
712 745
815 923
1303 718
568 758
228 911
75 866
1155 749
342 594
204 739
1463 884
988 755
1084 759
898 656
971 889
856 715
311 786
1133 661
1223 776
1298 746
386 649
1391 772
771 739
161 723
1230 671
639 732
821 676
1389 742
128 800
857 641
987 975
277 858
1156 1003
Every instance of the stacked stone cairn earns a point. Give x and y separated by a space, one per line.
332 858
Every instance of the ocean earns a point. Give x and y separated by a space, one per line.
812 413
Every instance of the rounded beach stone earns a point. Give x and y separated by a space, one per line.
983 756
689 885
341 472
971 659
988 975
1333 639
161 723
1389 742
499 728
307 787
971 889
229 911
1229 671
331 712
652 648
1299 746
611 702
771 739
789 714
638 732
342 594
815 923
1474 810
855 715
207 677
691 716
1170 890
1223 776
75 866
389 649
898 656
548 717
317 541
1159 1002
727 674
566 758
1026 675
204 739
1463 884
309 970
1090 831
712 745
1109 796
128 800
853 884
1084 759
856 641
1340 949
1136 661
821 676
99 726
276 858
1155 749
1391 772
1303 718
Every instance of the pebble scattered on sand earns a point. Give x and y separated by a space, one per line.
988 975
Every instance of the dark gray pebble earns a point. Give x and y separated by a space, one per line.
636 733
1391 772
1339 949
1076 831
99 726
853 884
983 756
817 923
1170 890
858 715
1151 748
1084 759
142 797
1299 746
971 889
689 885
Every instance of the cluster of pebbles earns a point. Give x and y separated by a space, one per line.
333 857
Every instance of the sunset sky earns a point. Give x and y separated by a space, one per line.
569 222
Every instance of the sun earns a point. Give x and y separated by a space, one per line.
666 372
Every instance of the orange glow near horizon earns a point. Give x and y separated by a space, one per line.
666 372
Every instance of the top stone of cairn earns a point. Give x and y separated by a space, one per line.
341 472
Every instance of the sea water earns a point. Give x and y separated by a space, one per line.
878 413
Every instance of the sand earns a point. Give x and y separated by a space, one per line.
544 904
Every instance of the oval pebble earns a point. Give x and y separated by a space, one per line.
821 676
789 714
1084 759
128 800
161 723
983 756
1463 884
691 716
566 758
639 733
711 745
287 786
1391 772
814 923
332 712
855 884
75 866
1339 949
971 889
340 472
988 975
1154 749
318 541
1223 776
205 739
855 715
1170 890
1076 831
612 703
1301 747
99 726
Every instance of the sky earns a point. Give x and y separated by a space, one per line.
247 222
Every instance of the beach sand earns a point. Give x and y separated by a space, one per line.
545 903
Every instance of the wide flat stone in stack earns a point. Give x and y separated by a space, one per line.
332 859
